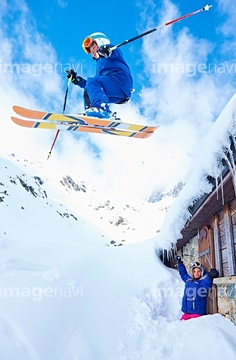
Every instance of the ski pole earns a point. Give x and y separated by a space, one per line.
208 260
63 111
205 8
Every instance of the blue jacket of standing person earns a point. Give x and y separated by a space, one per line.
196 289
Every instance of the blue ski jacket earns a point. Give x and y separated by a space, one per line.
119 80
195 293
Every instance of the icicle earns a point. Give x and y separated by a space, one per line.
234 142
232 167
217 186
172 252
231 152
175 249
167 255
222 189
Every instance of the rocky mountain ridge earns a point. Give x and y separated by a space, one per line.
71 198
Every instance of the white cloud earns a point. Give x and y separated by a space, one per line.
3 6
226 8
23 53
62 3
181 94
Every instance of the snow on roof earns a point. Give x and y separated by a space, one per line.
208 161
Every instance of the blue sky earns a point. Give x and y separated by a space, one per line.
65 24
184 75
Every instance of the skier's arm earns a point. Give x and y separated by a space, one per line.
208 278
76 79
183 272
81 82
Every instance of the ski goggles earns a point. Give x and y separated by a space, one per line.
195 264
87 43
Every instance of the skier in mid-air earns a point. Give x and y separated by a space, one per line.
113 81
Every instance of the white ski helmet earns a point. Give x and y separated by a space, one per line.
195 265
98 37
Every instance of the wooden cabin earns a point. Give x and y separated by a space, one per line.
209 234
209 237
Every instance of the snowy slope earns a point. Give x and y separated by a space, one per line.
22 191
65 294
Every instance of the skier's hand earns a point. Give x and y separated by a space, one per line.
104 51
178 259
72 75
213 273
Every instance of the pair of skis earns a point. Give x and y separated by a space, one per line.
80 123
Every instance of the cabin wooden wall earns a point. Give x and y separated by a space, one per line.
224 230
217 248
206 256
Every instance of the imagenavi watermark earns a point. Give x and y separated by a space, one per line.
192 69
39 68
178 292
39 293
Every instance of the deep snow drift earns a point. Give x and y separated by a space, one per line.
67 293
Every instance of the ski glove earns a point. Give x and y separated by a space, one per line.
71 74
178 259
213 273
104 51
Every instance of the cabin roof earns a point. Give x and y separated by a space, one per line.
206 207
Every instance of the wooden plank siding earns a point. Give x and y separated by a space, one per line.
206 255
223 240
217 245
230 254
233 214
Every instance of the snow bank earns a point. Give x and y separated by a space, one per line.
66 294
71 301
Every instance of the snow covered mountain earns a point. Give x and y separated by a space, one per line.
64 198
156 197
66 294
